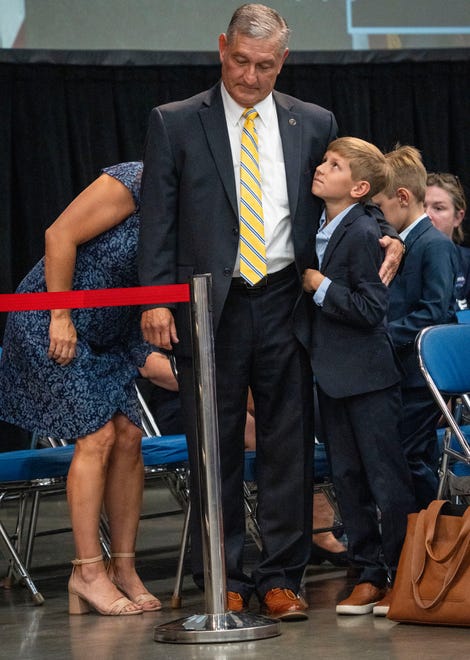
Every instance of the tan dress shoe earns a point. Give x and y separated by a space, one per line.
235 602
284 604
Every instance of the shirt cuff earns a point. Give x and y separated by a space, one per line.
320 293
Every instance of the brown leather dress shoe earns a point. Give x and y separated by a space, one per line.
235 602
284 604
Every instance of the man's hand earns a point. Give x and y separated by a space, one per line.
158 327
311 280
394 251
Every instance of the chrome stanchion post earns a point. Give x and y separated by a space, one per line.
208 444
216 625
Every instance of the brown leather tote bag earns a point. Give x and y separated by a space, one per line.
433 578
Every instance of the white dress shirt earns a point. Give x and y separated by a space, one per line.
276 212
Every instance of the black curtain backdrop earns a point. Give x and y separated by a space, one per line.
63 116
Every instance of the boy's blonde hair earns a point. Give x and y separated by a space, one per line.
405 169
366 162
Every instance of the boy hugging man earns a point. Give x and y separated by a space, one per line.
357 372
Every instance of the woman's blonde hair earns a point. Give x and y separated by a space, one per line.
366 161
405 169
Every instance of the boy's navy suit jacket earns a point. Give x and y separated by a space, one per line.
422 293
352 352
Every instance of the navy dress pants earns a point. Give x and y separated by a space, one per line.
369 472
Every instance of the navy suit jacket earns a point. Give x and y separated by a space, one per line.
422 293
352 352
189 213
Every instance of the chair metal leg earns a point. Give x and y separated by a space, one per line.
250 516
442 490
18 535
31 534
176 602
105 537
37 597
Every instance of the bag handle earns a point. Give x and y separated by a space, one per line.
431 517
422 547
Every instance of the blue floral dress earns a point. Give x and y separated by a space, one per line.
72 401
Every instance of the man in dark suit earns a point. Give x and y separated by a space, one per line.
190 224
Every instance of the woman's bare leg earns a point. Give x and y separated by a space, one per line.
123 503
85 491
323 516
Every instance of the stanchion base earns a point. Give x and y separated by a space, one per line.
213 628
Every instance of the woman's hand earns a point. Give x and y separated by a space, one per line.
62 337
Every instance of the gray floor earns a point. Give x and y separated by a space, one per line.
32 632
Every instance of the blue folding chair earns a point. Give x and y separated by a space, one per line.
24 475
463 315
27 474
444 358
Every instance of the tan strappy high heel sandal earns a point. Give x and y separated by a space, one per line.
78 604
145 598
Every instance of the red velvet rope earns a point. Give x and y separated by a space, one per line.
138 295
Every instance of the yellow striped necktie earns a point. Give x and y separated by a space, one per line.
252 246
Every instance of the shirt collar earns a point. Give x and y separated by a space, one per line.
329 228
403 234
234 111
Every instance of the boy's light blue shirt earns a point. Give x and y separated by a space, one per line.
324 234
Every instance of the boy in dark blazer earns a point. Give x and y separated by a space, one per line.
422 294
356 370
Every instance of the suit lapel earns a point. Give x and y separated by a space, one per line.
338 234
418 231
213 121
290 128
